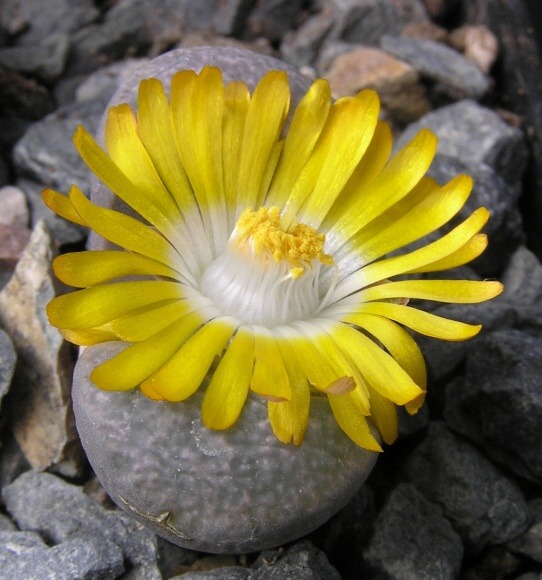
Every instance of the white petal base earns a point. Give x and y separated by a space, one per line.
233 491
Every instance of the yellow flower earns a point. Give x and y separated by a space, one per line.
262 260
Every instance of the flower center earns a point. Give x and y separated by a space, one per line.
270 272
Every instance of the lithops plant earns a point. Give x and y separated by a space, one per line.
243 331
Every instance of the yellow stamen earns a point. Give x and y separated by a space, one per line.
284 240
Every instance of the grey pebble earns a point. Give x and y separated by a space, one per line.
45 61
223 573
439 63
8 358
483 505
530 543
499 405
59 511
412 540
46 153
6 524
475 135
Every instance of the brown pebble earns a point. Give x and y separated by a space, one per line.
478 44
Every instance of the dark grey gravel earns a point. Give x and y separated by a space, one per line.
45 61
475 135
530 543
499 405
412 540
46 153
225 573
439 63
484 506
60 511
8 358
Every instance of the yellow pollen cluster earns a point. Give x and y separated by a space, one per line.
297 243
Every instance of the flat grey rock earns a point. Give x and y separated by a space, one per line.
499 405
483 505
234 491
60 511
439 63
475 135
412 540
45 153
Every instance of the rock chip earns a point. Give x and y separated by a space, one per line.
499 405
412 539
46 153
37 24
396 82
230 15
40 410
63 231
6 525
426 31
273 18
14 544
475 135
78 558
522 278
14 207
440 64
13 241
224 573
530 543
61 512
478 44
45 61
8 358
301 561
22 98
451 473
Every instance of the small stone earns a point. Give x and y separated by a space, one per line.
64 16
60 511
104 82
45 61
522 278
451 473
412 539
14 210
40 412
478 44
396 82
13 241
224 573
301 47
46 152
147 571
78 558
439 63
22 98
15 544
230 15
500 404
273 18
63 231
410 11
6 524
425 31
301 561
8 358
530 543
475 135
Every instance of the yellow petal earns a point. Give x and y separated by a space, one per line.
399 176
90 268
289 419
345 138
347 410
134 364
62 206
384 416
183 374
227 392
454 291
418 320
379 369
265 117
87 337
92 307
270 378
307 123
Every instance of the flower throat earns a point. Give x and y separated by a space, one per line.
271 270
